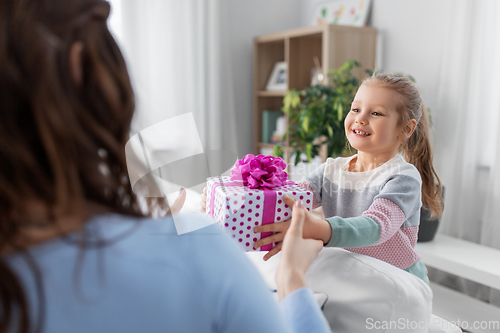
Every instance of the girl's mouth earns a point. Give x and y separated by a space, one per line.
358 132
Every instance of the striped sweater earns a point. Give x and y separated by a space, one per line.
375 213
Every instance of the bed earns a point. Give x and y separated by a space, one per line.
364 294
358 293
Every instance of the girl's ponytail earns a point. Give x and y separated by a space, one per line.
417 150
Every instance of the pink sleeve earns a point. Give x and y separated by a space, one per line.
308 187
388 215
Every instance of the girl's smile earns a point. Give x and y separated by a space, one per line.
360 133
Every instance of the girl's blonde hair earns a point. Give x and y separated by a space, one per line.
417 150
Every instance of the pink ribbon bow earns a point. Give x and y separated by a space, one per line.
261 171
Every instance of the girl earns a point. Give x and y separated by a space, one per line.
372 200
77 252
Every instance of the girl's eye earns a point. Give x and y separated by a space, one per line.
355 110
377 114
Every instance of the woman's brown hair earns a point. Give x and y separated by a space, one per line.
417 150
61 141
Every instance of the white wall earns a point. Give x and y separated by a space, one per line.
411 41
411 37
413 33
248 20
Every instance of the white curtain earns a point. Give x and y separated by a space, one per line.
179 58
467 131
178 55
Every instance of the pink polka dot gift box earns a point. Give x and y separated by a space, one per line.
253 196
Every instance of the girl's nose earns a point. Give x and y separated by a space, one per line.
360 119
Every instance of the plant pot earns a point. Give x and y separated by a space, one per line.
428 228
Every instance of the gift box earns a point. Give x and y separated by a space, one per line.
253 196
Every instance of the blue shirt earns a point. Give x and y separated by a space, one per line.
147 278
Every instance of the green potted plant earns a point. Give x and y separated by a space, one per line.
316 114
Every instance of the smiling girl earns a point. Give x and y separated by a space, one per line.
371 201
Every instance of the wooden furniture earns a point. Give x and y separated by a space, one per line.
472 261
331 44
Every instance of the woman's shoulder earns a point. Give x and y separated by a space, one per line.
193 238
191 234
170 275
194 242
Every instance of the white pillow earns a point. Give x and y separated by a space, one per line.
364 293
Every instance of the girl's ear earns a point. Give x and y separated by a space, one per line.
75 62
408 129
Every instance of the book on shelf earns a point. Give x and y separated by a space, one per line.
269 124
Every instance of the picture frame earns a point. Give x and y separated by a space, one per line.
343 12
278 79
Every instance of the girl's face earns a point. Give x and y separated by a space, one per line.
372 124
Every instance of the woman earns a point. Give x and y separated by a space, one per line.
78 253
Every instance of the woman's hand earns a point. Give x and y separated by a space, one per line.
313 228
297 254
203 200
176 207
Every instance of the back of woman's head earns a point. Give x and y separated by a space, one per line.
62 135
417 150
66 106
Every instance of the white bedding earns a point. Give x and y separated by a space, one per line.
363 292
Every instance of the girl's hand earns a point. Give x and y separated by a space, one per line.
313 228
279 229
298 254
203 200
